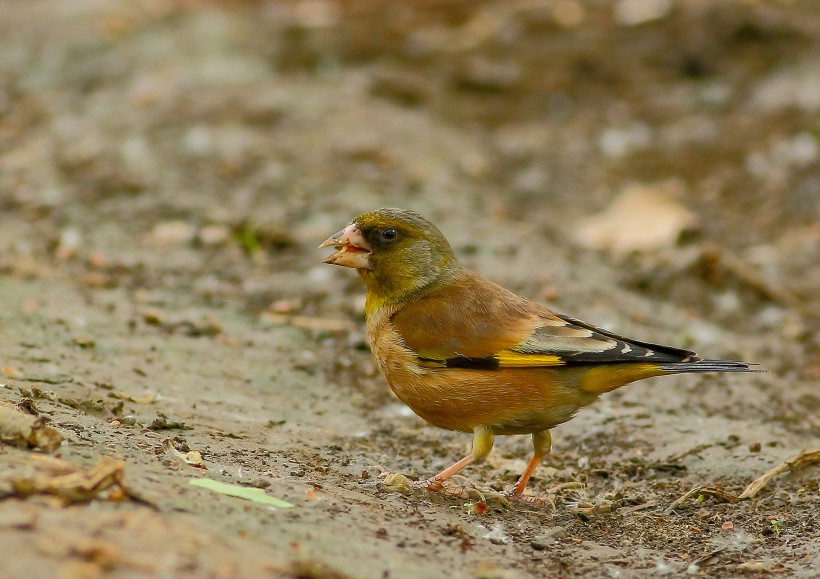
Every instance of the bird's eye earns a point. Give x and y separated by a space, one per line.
389 234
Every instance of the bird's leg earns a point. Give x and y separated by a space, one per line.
482 445
542 444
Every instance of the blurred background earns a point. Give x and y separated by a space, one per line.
678 136
264 125
168 168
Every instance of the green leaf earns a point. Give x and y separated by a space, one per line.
247 493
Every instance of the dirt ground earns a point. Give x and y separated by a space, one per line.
168 168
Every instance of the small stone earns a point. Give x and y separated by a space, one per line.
212 235
395 482
603 505
634 12
548 538
84 342
568 13
169 233
621 141
489 76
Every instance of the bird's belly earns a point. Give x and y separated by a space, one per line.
515 401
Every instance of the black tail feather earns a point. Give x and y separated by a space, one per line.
709 366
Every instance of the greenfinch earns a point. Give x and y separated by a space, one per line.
468 355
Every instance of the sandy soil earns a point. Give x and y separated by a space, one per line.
167 170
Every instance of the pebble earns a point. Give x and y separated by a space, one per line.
170 233
549 537
634 12
487 75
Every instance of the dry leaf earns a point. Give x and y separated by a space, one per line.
25 430
642 218
192 458
75 487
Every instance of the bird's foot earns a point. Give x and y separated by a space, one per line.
467 493
394 482
529 500
446 488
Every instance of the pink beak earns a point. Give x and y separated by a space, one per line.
352 248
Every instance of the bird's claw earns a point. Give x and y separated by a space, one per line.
471 493
445 488
394 482
530 500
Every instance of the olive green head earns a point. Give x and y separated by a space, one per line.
396 251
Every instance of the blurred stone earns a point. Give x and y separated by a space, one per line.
618 142
198 140
568 13
793 86
170 233
316 14
489 75
530 180
801 150
474 164
756 164
214 235
70 240
403 87
424 42
715 93
519 142
485 25
633 12
641 218
548 538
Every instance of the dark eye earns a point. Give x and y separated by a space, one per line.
389 234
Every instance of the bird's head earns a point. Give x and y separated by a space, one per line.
397 252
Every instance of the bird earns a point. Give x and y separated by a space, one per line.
468 355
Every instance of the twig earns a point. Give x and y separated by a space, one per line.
798 461
719 494
635 508
751 277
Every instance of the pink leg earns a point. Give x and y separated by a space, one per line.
482 445
542 444
434 482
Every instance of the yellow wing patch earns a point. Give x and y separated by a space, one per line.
510 359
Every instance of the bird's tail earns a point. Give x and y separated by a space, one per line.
708 366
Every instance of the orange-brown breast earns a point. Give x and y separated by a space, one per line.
470 316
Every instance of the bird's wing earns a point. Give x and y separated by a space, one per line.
577 342
473 323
